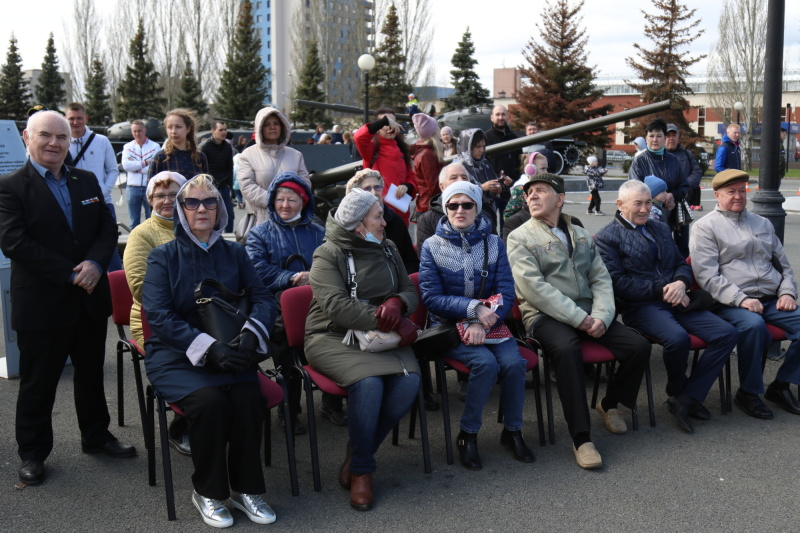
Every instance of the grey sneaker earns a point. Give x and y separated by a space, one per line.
254 506
214 512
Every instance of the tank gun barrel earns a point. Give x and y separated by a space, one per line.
332 175
339 108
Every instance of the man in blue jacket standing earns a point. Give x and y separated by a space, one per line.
729 155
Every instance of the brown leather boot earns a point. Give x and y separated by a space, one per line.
344 472
361 492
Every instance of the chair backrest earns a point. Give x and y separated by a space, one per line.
121 298
295 303
420 315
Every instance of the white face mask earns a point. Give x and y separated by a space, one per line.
296 217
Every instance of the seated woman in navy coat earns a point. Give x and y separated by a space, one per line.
214 383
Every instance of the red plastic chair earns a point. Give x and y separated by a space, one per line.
121 302
443 364
295 303
273 394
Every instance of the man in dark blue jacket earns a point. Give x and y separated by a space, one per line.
651 286
693 174
729 154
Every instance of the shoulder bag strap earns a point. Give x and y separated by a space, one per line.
83 150
485 269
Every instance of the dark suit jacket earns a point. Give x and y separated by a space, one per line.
35 235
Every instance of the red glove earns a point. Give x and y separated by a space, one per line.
389 314
407 331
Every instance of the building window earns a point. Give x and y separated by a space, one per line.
258 19
258 5
701 121
626 139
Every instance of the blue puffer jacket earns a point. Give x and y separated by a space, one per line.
450 272
638 276
271 243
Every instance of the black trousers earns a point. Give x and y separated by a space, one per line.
43 355
594 203
561 343
225 425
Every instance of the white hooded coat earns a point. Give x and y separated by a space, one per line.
260 163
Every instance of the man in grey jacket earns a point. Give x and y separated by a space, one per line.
737 257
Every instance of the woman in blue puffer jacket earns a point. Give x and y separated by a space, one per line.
281 249
450 276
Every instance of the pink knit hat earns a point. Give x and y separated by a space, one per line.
425 125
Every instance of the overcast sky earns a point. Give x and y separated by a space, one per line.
612 26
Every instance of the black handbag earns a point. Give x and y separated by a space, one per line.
433 342
222 312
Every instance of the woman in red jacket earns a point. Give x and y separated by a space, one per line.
383 148
427 156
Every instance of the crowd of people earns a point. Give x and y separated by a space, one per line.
485 242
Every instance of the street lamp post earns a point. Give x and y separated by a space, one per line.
738 106
366 63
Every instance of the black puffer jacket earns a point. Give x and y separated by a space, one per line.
639 276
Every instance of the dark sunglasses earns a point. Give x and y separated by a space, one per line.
193 203
465 205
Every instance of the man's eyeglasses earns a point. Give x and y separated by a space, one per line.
373 188
193 203
453 206
162 196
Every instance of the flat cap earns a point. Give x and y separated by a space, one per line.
726 177
555 181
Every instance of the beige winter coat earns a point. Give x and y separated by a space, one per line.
259 164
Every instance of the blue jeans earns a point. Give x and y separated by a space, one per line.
225 192
115 263
486 363
137 201
671 329
374 406
754 341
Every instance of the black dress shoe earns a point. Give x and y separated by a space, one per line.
467 444
32 472
112 448
513 441
779 393
698 410
679 407
752 405
181 444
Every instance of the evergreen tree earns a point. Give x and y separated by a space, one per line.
97 99
469 91
140 93
388 78
310 88
190 94
243 84
561 87
14 93
664 68
50 88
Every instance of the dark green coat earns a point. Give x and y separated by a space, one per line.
333 311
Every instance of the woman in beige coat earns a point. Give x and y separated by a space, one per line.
381 386
268 157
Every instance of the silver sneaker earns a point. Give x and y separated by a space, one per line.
254 506
214 512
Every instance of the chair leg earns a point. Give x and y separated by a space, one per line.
165 458
441 380
729 400
537 398
149 437
548 397
412 417
120 388
136 359
290 455
648 378
423 431
312 430
598 371
396 433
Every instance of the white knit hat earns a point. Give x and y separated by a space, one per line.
464 187
354 207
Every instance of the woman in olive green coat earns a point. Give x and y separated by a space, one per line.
381 386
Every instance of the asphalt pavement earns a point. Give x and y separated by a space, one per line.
735 473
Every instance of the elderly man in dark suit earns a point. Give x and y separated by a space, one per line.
58 232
